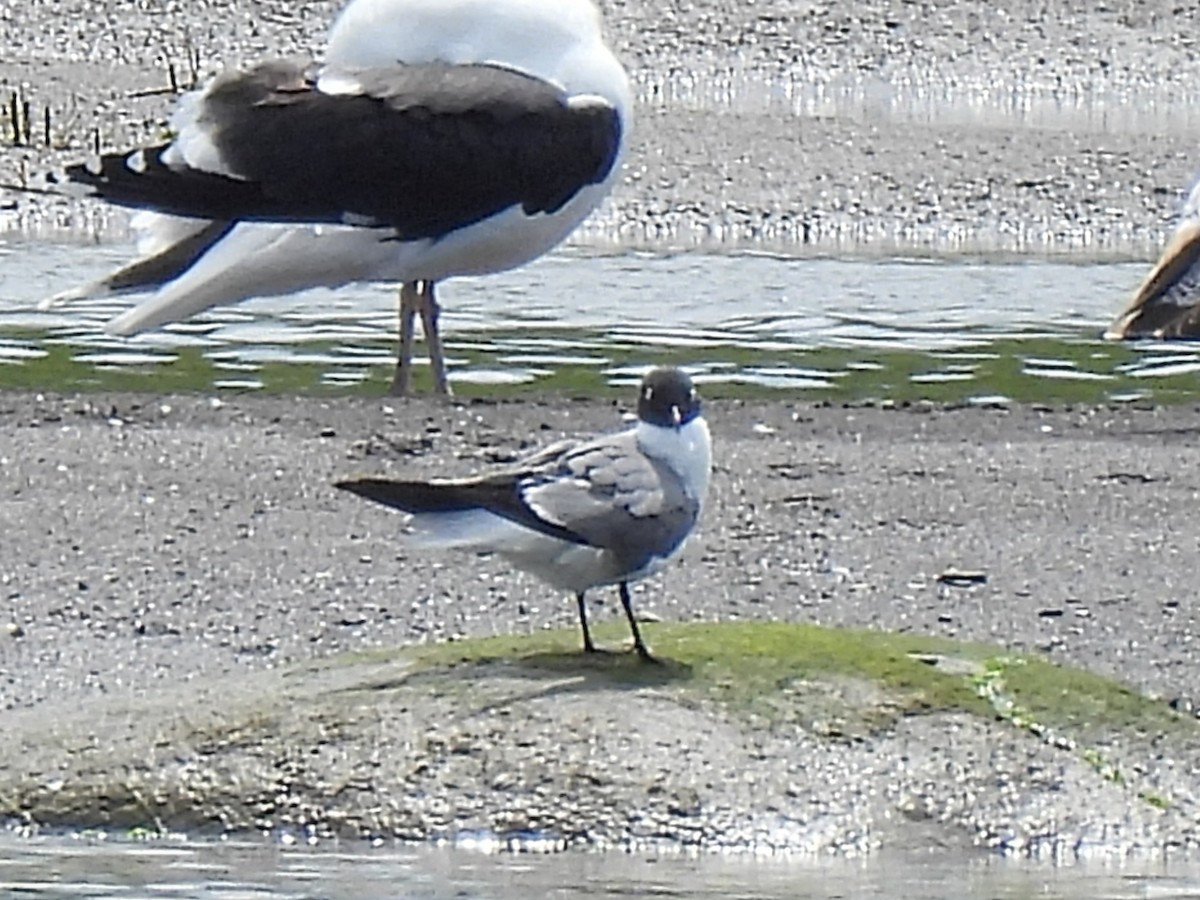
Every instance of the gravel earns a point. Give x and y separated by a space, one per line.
177 568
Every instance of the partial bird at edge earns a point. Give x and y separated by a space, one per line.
1166 305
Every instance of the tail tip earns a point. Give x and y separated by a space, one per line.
124 325
62 298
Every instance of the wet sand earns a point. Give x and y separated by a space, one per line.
169 564
160 537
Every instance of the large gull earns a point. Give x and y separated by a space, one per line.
439 138
1167 302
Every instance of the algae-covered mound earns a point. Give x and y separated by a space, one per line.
744 736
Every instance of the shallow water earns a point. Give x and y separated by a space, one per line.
81 867
969 330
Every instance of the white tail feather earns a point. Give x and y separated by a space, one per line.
89 291
568 566
471 529
258 259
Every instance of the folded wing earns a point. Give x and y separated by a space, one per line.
602 493
421 149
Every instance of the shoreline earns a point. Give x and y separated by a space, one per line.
197 629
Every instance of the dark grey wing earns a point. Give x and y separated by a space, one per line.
500 494
613 496
172 262
602 493
422 149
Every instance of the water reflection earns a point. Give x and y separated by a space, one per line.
91 866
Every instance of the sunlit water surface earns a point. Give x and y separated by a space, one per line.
86 867
974 330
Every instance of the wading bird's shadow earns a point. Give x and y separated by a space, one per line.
560 673
549 673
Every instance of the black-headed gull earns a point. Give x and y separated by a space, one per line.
578 514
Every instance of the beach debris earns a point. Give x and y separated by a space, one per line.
955 577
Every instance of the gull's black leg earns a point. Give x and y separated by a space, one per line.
588 646
638 644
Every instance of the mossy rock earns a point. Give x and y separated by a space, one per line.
822 678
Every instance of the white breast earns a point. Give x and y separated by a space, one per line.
686 452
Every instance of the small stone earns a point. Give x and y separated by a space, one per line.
962 577
1183 705
12 629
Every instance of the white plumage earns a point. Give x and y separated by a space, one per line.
375 49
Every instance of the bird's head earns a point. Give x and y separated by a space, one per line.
668 398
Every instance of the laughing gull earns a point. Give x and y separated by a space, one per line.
578 514
1167 302
439 138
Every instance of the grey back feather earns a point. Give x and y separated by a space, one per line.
604 493
612 496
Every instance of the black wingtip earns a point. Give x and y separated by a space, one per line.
409 496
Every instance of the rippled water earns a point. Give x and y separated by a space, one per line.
975 330
84 867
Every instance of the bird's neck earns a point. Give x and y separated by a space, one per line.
686 451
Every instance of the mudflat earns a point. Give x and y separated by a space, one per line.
1045 128
168 536
179 562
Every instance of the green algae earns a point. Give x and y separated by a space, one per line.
321 742
1057 370
834 680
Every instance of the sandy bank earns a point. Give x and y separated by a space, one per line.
168 560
